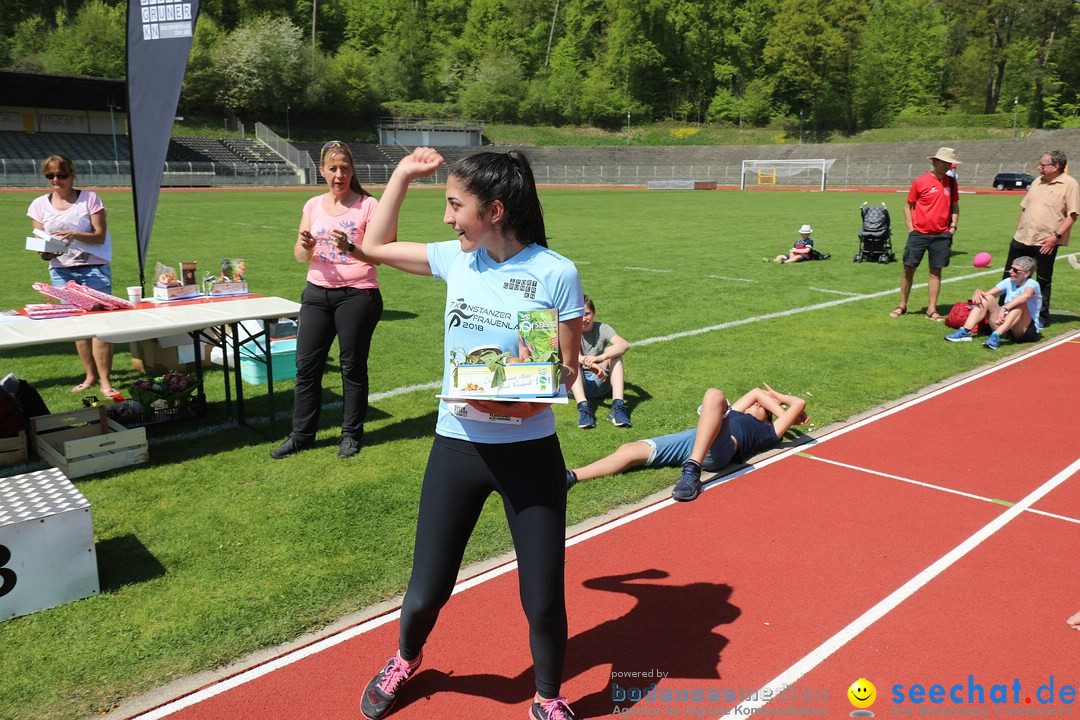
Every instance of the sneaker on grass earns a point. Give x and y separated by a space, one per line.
381 692
291 446
585 417
689 485
959 335
619 416
993 342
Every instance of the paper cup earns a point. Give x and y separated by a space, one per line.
135 294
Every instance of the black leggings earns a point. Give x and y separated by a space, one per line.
531 478
351 315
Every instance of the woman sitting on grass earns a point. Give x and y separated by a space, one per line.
1016 316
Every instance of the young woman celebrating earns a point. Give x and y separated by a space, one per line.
498 266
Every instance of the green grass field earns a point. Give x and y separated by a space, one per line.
213 550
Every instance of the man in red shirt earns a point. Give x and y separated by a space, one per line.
930 213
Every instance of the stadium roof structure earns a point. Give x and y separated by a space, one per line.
66 92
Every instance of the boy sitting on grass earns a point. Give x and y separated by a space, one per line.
602 373
725 433
801 251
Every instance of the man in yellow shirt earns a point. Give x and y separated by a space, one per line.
1047 214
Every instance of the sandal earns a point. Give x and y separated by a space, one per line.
82 387
900 310
933 315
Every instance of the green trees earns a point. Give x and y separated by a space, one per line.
828 65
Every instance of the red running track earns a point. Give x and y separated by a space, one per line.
891 550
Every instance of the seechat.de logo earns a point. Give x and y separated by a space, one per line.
862 695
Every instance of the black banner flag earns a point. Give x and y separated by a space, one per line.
159 36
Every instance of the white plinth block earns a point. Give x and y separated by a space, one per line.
47 555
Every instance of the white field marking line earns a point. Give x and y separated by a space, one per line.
645 269
357 630
210 430
931 486
837 292
721 277
819 654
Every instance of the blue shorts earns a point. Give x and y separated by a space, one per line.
673 450
595 388
98 277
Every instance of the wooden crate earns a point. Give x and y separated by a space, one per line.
86 441
13 449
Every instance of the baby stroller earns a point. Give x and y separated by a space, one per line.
875 239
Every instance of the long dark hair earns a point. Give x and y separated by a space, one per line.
336 146
507 177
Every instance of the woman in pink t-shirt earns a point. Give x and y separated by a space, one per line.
77 217
341 299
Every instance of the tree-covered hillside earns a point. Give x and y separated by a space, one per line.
834 65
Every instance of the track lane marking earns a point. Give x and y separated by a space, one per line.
931 486
822 652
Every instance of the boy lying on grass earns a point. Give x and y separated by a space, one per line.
726 432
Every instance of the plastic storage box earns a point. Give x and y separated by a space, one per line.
283 360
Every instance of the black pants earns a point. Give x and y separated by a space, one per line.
1044 269
351 315
531 478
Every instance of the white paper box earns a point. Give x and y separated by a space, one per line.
176 292
47 555
49 244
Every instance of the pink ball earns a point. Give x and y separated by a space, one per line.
981 260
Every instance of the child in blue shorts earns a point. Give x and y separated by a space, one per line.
725 433
602 370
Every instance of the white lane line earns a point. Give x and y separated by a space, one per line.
721 277
645 269
210 430
931 486
836 292
290 657
819 654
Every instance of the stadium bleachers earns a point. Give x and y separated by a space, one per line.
857 164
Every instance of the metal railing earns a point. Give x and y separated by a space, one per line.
300 160
26 173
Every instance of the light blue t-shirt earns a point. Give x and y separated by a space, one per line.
1012 291
483 298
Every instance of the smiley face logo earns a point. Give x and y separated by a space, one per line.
862 693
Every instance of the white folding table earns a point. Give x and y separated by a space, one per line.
150 320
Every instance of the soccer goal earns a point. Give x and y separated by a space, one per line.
785 173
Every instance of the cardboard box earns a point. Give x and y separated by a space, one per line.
521 380
176 292
154 358
87 441
239 287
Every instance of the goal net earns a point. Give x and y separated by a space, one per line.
785 173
